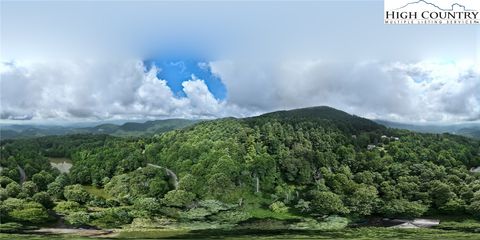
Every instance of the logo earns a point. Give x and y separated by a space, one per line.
432 11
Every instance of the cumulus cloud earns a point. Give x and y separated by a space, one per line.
420 91
100 90
400 91
397 87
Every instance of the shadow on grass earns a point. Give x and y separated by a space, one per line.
358 233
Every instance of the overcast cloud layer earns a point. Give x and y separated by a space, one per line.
421 91
56 60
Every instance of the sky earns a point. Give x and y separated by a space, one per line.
135 60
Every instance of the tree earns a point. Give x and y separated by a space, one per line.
13 189
278 207
285 192
178 198
454 205
146 207
314 161
440 193
144 182
112 217
80 218
403 208
44 199
188 183
76 193
25 211
29 188
3 194
55 190
220 186
303 206
30 214
157 188
63 180
42 179
363 200
474 207
67 207
4 181
327 203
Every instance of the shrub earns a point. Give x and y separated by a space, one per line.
214 206
55 190
4 181
3 194
29 188
112 217
68 207
10 227
403 208
146 207
76 193
32 214
77 219
178 198
21 210
327 203
278 207
195 214
44 199
13 189
231 216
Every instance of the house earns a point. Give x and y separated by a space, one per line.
371 146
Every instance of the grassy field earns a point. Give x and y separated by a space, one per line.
358 234
283 226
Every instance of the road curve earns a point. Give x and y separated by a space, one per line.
170 173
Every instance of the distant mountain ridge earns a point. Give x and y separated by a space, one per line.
340 119
465 129
126 129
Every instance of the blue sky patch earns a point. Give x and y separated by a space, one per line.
175 72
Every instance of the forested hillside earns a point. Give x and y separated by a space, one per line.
473 132
303 165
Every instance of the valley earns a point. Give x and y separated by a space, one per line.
311 173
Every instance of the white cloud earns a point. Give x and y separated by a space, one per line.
400 91
200 97
100 90
421 91
399 87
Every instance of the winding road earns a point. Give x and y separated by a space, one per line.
170 173
23 176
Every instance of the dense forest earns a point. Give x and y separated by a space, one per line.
307 165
